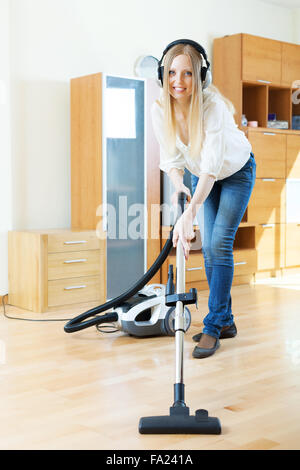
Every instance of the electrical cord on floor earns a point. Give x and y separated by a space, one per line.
29 319
106 326
52 319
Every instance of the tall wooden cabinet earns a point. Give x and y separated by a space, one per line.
105 166
258 75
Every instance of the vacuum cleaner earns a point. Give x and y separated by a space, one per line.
143 314
173 319
141 311
146 314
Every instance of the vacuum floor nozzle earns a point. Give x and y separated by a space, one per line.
180 422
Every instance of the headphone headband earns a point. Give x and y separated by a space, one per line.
197 46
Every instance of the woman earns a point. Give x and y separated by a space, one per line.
195 128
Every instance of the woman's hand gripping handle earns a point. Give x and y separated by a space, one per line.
183 229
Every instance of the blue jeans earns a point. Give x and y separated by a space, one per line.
218 220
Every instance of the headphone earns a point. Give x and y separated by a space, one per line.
206 77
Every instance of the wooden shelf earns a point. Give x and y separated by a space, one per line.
271 129
257 75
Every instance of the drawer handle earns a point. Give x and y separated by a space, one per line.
74 287
194 269
269 133
75 261
264 81
240 262
268 179
75 242
267 225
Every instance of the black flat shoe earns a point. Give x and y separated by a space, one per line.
200 353
230 332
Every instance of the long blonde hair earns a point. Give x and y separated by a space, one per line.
195 121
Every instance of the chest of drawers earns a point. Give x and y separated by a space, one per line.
54 268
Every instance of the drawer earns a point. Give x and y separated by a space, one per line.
73 241
194 268
292 245
245 262
76 290
270 245
293 156
269 149
267 202
74 264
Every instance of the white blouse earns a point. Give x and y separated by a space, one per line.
225 148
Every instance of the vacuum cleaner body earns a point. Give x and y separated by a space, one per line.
146 314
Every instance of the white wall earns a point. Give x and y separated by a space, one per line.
5 152
296 17
55 40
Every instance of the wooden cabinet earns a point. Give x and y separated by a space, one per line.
255 103
257 75
261 59
101 170
269 149
53 268
195 270
267 202
293 156
73 264
73 291
290 64
292 245
270 245
245 261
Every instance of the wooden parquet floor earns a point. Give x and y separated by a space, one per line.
88 390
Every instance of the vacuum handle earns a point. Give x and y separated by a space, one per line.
170 284
182 198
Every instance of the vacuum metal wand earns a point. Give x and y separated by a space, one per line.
179 420
179 324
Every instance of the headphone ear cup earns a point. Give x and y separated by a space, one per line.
208 80
160 74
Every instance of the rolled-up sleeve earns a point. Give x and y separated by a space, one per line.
213 148
167 159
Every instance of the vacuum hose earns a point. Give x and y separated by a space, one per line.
80 322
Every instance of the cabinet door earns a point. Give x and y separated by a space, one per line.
261 59
270 245
292 200
290 63
292 245
267 202
269 149
293 156
124 181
